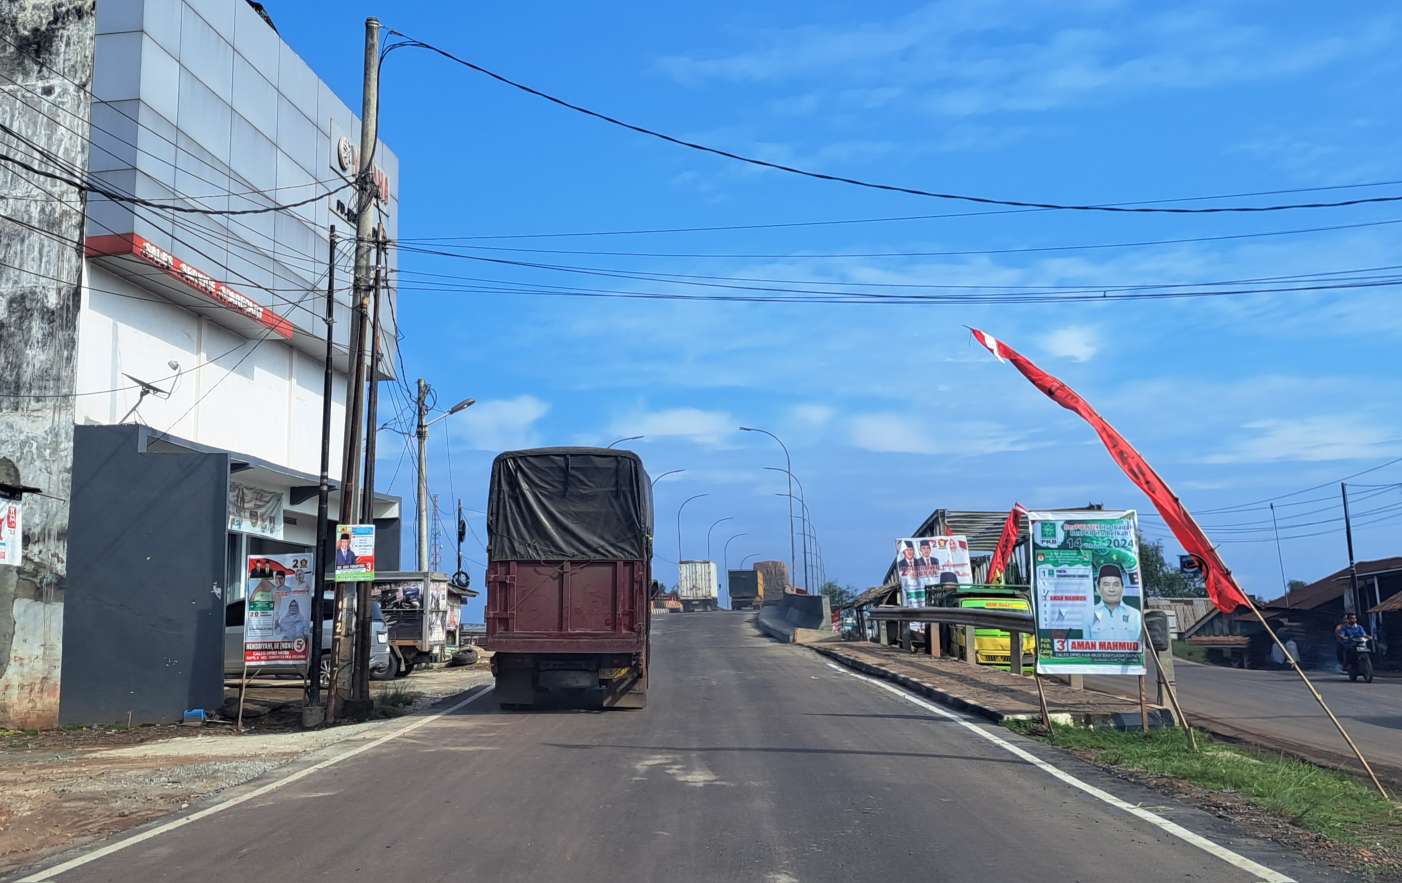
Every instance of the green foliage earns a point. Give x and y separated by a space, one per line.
1161 580
838 594
1184 650
1326 802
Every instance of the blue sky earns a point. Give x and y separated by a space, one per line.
889 410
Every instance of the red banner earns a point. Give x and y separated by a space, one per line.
1006 541
1221 588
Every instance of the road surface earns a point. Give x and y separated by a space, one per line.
754 762
1275 705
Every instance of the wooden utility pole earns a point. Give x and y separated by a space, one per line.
41 262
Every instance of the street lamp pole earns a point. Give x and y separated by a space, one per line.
788 463
747 558
708 533
620 441
665 474
421 506
725 553
804 522
679 524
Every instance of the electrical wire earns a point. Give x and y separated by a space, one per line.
411 42
919 254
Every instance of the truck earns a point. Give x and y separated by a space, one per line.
569 565
775 580
696 586
746 589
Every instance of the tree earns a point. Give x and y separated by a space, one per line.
1162 581
837 594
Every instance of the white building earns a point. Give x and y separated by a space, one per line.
201 342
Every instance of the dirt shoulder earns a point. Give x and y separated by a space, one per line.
66 788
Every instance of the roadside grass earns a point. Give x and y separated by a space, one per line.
395 700
1184 650
1332 804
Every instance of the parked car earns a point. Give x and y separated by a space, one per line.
383 665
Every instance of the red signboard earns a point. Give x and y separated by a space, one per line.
192 277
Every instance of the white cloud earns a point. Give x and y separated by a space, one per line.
1079 343
1311 439
812 416
501 424
691 424
915 433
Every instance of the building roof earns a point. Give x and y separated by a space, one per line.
1332 587
872 596
981 529
1391 605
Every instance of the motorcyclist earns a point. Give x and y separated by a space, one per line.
1345 633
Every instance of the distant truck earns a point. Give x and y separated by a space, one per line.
697 587
746 589
569 549
775 580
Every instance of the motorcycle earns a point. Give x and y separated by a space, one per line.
1359 659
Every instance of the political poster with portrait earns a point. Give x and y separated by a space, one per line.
1088 592
11 532
355 552
927 564
277 623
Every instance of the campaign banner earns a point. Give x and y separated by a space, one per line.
924 564
11 532
277 623
355 552
1088 592
255 510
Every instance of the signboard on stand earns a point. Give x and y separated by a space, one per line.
1088 592
927 563
355 553
277 623
11 532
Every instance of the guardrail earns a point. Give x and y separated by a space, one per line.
1016 623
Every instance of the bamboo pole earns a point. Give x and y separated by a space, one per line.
243 690
1318 698
1168 687
1042 699
1143 707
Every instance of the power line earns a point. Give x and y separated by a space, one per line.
919 254
871 185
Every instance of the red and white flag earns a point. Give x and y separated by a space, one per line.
1221 588
1006 542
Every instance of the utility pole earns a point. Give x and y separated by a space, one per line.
462 534
421 503
323 489
39 315
1352 568
355 398
360 681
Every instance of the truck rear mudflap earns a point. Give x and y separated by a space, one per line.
592 680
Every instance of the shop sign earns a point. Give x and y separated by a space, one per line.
254 510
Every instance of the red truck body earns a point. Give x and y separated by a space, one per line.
569 569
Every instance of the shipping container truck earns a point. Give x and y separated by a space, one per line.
569 548
746 589
697 586
775 576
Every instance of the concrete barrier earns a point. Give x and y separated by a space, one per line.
798 619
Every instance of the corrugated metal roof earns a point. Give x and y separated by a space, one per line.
1333 586
872 595
982 529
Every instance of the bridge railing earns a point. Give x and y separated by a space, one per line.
1016 622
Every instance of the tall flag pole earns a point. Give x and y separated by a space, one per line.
1221 587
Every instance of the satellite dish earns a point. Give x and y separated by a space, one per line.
147 389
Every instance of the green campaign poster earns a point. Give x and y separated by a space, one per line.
1088 592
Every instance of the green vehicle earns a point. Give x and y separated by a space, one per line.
991 645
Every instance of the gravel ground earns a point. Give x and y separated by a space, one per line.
65 788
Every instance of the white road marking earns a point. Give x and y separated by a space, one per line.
102 852
1235 859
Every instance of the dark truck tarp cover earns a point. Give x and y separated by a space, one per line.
569 504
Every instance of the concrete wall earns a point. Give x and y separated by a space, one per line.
144 628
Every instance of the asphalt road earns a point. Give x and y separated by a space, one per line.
754 762
1275 705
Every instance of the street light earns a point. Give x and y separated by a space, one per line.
789 464
804 522
421 507
665 474
747 558
679 524
803 527
708 533
725 554
622 440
